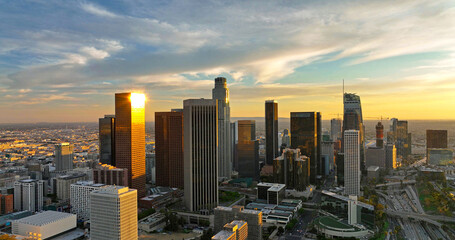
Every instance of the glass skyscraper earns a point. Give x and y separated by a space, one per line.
353 120
247 150
130 138
271 131
107 139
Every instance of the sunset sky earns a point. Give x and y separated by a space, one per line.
62 61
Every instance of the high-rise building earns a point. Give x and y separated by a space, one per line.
271 131
80 198
285 139
63 157
306 130
390 156
353 120
221 94
400 136
379 135
200 154
28 195
6 203
107 139
113 213
224 215
130 138
64 184
328 156
335 129
247 150
169 148
436 139
110 175
292 169
351 162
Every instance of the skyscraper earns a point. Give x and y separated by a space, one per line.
379 135
113 213
436 139
221 94
335 129
107 139
200 154
169 148
271 131
247 150
292 169
63 157
306 129
353 120
351 162
130 138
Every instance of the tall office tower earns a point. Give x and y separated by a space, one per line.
436 139
107 139
169 148
234 146
353 120
328 156
390 156
130 138
271 131
403 140
335 129
247 150
80 198
110 175
113 213
28 195
200 154
352 162
224 215
339 165
285 139
379 135
6 203
64 184
306 129
63 156
292 169
221 94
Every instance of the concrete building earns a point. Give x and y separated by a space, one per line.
352 162
153 222
200 154
221 94
44 225
285 138
272 193
373 172
390 156
400 136
107 139
335 129
247 154
375 157
28 195
110 175
80 198
271 131
169 148
235 230
113 213
6 203
292 169
253 218
306 135
63 157
130 138
436 139
64 184
328 156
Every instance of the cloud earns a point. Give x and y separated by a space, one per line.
96 10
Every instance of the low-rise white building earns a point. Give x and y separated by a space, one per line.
44 225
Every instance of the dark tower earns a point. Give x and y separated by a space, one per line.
379 135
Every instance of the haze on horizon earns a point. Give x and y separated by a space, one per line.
62 61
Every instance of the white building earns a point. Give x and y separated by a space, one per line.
351 162
28 195
113 213
221 94
200 154
44 225
80 198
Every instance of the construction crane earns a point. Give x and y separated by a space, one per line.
378 118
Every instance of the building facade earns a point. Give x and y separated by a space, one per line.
107 139
271 131
169 148
253 218
110 175
292 169
200 154
306 130
335 129
130 138
113 213
63 157
353 120
80 198
390 156
64 184
247 154
436 139
44 225
28 195
352 162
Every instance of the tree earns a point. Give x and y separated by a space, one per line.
8 237
207 235
280 230
270 229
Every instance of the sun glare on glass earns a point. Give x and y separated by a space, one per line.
137 100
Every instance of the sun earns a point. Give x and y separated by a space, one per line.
137 100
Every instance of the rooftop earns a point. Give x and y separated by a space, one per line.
335 224
364 205
223 235
44 218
